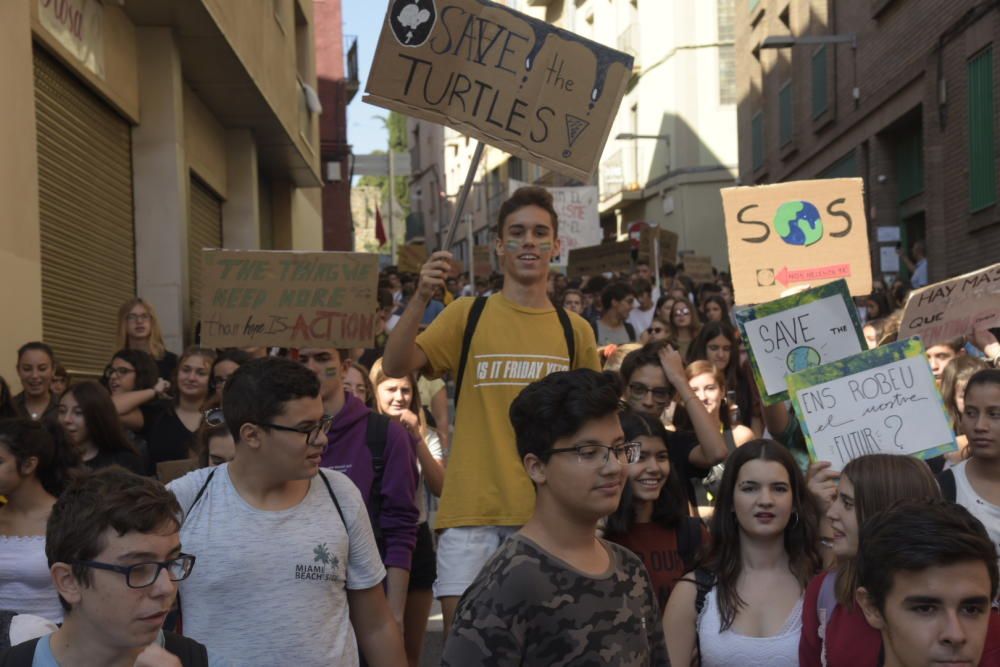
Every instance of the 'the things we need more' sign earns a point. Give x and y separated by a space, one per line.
523 85
797 332
794 234
288 299
882 401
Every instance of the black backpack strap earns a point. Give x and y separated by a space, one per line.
689 541
21 655
946 480
376 436
201 492
630 330
333 497
190 652
567 328
470 329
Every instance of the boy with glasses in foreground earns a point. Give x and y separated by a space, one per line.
554 592
288 570
114 551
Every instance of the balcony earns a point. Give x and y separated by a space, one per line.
539 3
628 42
351 82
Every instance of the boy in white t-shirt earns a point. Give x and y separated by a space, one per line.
288 570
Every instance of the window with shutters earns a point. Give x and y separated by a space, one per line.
757 140
785 126
982 142
85 218
204 231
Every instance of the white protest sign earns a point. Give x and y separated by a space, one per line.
954 307
888 259
800 331
882 401
579 221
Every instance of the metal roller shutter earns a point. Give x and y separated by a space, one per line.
87 235
204 231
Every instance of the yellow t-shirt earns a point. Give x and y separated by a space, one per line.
485 482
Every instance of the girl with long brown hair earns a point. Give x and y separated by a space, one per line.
745 599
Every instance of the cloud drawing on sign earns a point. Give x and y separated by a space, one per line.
411 16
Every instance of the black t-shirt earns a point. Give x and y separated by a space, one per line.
127 460
167 365
679 446
168 440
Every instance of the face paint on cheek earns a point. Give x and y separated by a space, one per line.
514 245
330 372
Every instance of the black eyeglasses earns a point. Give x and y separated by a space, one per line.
214 417
656 330
142 575
120 371
638 391
594 455
311 432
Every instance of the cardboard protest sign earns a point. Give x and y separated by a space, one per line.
954 307
797 332
288 299
523 85
579 220
698 269
796 233
882 401
411 257
605 257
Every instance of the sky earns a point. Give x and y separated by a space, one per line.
364 19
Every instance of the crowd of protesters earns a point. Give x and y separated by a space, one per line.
580 470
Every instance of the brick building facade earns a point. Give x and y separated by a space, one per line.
903 93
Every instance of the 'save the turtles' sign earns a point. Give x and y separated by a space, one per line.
797 332
532 89
794 234
288 299
882 401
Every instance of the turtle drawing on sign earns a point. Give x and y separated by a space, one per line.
412 21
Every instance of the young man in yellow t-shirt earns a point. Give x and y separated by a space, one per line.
519 338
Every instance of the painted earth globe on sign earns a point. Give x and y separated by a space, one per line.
802 358
798 223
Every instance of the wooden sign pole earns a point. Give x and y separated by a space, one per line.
463 195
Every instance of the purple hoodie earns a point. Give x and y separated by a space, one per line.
348 452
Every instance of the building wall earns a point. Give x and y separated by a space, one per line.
175 133
896 85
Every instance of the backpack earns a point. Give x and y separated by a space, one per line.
190 652
376 435
470 329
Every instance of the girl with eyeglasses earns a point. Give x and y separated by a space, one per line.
139 329
653 518
91 424
684 324
132 379
834 631
743 604
36 463
659 329
172 437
